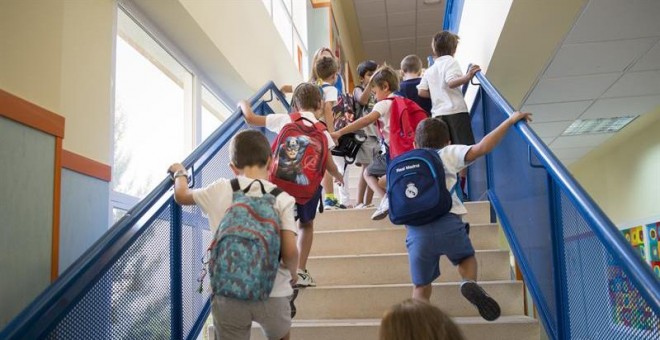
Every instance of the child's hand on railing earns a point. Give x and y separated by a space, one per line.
516 116
473 70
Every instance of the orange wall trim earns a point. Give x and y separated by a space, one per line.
86 166
320 3
57 189
26 113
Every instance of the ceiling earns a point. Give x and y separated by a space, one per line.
607 66
393 29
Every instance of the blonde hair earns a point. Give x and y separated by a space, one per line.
314 78
417 320
386 74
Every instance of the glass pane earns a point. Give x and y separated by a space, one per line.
117 214
214 113
283 24
150 111
299 16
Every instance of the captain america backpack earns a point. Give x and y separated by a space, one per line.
416 188
300 153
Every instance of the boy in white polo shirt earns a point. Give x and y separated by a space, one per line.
442 83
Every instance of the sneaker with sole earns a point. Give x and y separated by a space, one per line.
488 308
304 279
382 210
332 203
291 304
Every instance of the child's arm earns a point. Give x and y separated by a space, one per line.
289 251
488 143
286 89
424 93
366 93
331 168
250 117
456 82
357 125
182 194
423 88
329 117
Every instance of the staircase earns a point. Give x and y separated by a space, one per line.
361 269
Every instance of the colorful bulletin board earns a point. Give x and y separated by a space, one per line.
629 309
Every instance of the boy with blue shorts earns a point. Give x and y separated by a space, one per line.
448 235
308 101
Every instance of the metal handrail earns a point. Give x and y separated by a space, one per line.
601 225
48 307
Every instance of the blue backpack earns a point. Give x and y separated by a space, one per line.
245 252
416 188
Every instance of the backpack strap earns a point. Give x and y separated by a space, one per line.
276 191
319 125
235 186
295 116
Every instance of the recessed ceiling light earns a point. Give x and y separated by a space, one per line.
600 125
430 2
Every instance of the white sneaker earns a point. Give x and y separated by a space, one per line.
382 211
304 279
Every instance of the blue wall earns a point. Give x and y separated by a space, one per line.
27 158
83 215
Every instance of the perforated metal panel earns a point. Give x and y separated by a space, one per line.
133 298
580 289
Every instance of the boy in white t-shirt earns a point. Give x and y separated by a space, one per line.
326 70
250 156
306 100
448 235
384 82
442 83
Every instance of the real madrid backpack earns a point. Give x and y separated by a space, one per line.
416 188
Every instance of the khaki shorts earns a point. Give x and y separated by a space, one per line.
232 318
366 153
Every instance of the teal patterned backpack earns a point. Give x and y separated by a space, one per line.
245 252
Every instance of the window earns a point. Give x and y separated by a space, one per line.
290 20
214 113
150 111
155 111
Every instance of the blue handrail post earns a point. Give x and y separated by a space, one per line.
176 282
561 284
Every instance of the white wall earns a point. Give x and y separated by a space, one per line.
245 34
480 28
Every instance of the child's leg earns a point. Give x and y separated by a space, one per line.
330 201
422 292
305 239
274 317
234 325
372 182
344 190
369 196
468 269
362 187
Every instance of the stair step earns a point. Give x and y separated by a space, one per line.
504 328
385 240
370 301
478 213
393 268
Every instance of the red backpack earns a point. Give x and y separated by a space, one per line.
405 114
300 153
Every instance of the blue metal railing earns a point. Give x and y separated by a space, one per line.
139 280
586 280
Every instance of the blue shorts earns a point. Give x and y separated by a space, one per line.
307 212
447 236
